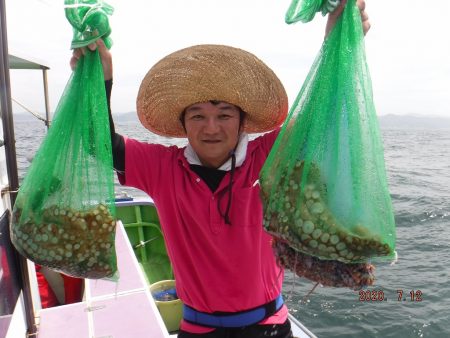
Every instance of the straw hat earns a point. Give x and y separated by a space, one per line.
210 72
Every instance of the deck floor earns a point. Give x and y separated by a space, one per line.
122 309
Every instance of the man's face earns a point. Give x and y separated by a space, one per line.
213 131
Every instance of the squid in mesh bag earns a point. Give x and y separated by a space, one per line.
64 214
324 186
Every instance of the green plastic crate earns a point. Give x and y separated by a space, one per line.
142 226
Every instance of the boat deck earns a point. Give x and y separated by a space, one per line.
123 309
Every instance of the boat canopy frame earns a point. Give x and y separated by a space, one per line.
19 61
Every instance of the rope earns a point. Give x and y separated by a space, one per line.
30 111
305 298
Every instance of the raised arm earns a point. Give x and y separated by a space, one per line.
117 141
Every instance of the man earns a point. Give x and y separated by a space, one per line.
207 194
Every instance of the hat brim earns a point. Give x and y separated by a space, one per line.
210 72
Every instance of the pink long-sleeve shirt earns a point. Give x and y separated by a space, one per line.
218 267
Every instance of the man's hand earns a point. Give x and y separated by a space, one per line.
105 56
332 17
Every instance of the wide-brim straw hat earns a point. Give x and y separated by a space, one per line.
210 72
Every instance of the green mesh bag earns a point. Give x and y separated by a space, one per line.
64 215
324 186
305 10
89 19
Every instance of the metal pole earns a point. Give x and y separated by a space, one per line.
47 103
11 163
7 119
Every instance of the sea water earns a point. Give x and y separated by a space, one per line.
412 297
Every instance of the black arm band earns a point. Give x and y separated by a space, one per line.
117 142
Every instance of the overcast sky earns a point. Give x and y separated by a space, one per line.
408 47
